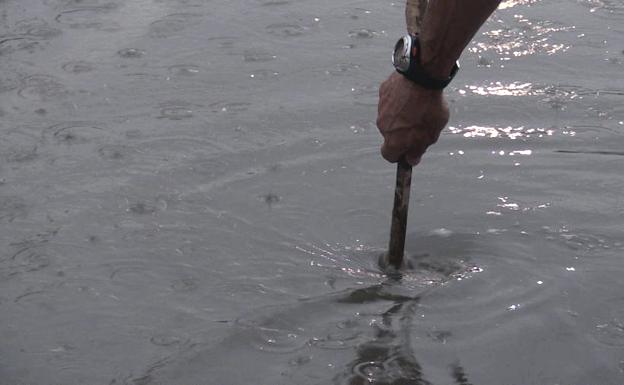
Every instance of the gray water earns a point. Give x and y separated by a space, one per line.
191 193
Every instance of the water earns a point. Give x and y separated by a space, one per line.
191 193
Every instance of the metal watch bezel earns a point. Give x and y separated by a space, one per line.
402 54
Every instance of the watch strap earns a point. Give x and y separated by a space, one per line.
417 73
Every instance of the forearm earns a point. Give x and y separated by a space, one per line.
447 28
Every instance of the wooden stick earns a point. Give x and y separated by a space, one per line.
398 228
414 11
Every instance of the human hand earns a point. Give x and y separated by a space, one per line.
410 118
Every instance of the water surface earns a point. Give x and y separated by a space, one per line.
191 193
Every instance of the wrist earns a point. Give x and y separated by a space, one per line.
409 60
437 65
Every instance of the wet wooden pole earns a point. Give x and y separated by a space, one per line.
414 11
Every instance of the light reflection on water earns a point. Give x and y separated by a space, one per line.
513 3
524 37
512 133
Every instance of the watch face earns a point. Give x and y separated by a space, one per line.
401 56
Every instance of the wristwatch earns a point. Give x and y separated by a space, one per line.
407 61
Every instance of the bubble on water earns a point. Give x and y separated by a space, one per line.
131 53
78 67
41 88
285 30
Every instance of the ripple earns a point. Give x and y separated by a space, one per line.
224 42
168 339
12 207
20 154
95 17
286 30
369 371
230 107
366 95
337 340
9 81
76 133
78 67
41 88
258 56
131 53
115 151
171 24
610 7
274 3
37 28
343 69
579 241
10 44
28 259
610 332
142 208
175 111
263 74
184 70
276 340
363 33
184 285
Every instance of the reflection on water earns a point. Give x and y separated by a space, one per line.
523 37
512 133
